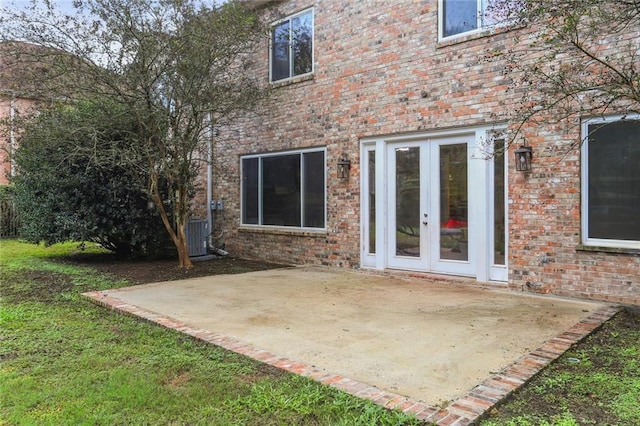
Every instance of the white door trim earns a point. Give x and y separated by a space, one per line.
480 188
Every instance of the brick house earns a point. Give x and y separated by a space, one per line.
9 103
18 95
373 155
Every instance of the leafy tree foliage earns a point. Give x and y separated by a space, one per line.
571 58
180 67
65 195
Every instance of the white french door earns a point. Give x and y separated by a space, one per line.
428 191
434 204
408 207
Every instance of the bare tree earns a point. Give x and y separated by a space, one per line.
571 58
181 68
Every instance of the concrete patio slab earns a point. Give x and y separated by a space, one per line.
408 343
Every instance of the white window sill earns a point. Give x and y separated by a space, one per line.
293 80
473 35
282 230
603 249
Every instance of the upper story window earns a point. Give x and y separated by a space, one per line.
462 16
611 182
292 46
284 189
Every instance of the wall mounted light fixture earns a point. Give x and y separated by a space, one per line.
344 165
524 155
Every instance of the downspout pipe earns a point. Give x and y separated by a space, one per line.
210 214
12 136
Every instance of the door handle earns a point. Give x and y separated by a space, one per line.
424 222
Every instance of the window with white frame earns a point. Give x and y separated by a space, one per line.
284 189
611 182
463 16
292 46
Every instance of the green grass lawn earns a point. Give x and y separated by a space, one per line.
596 382
65 361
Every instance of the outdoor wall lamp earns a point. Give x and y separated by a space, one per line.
344 165
524 155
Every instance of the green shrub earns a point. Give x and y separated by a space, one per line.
73 185
9 219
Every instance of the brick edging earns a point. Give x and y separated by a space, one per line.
463 411
483 397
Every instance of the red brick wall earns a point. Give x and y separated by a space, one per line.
5 165
379 69
20 106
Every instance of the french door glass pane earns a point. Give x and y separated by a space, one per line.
408 202
372 202
281 190
498 206
250 191
614 180
313 189
453 202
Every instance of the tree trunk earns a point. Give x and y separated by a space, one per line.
178 236
184 261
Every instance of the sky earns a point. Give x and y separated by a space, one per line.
66 6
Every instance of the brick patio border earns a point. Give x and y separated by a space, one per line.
463 411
